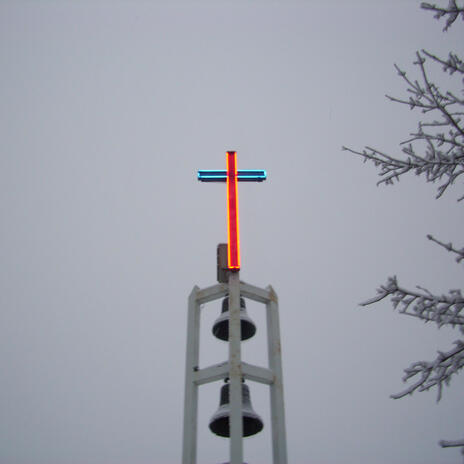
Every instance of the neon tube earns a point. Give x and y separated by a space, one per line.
247 175
233 244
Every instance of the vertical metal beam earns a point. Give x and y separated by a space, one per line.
279 442
189 450
235 372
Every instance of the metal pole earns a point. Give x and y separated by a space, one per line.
235 371
189 451
279 442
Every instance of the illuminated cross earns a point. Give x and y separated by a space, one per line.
232 175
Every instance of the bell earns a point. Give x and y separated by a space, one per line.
219 423
221 325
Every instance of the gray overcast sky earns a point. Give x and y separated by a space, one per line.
108 109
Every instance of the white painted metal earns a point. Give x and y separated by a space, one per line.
234 368
212 373
279 442
235 372
220 371
189 449
212 293
257 373
255 293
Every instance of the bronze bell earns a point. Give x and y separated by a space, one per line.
219 423
221 325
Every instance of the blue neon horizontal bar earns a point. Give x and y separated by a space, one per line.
248 175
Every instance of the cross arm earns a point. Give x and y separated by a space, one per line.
243 175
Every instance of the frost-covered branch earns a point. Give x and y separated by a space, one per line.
449 247
441 309
434 373
440 156
452 64
452 11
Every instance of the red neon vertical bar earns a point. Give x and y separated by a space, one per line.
233 243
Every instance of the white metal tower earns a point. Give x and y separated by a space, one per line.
234 368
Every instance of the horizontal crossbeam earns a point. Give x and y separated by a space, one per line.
244 175
221 371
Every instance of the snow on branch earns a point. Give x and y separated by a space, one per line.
452 64
441 136
434 373
449 247
441 309
452 11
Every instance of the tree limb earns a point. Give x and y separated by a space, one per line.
452 12
434 373
441 309
441 158
449 247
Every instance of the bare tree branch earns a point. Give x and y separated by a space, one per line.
441 309
452 64
448 443
452 12
449 247
441 158
435 373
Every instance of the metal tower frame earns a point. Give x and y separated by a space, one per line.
234 368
